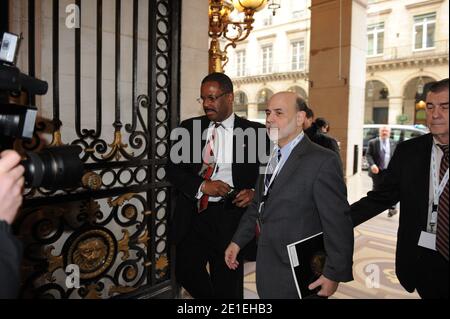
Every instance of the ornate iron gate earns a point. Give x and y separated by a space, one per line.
113 230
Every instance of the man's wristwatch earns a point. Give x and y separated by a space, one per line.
4 226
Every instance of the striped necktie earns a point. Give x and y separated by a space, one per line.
273 163
382 153
442 222
209 164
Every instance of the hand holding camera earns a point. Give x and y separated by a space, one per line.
11 185
53 168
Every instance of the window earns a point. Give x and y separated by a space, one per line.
412 134
375 39
267 19
297 14
424 27
298 9
240 63
298 55
266 59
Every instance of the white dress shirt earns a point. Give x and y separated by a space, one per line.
385 144
439 156
223 150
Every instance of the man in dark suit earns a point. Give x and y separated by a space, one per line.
317 133
11 183
213 190
417 176
301 194
379 153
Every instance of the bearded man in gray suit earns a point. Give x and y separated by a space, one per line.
305 194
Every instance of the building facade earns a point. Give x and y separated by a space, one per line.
407 47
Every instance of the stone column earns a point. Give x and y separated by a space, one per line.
252 110
338 70
194 55
395 108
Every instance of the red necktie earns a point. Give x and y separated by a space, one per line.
442 222
209 164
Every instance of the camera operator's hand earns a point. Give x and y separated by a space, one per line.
11 184
244 198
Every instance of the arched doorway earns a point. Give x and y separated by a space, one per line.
241 104
414 96
299 91
377 103
263 97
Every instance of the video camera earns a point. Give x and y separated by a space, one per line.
53 168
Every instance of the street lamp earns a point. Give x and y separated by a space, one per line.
219 23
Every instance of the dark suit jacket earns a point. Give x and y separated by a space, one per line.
308 196
184 176
406 180
373 155
322 139
10 256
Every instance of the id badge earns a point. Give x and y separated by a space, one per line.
427 240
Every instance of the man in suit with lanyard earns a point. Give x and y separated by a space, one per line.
417 176
215 181
378 155
302 193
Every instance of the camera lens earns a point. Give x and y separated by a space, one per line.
9 124
54 168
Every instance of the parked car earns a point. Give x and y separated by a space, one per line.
399 133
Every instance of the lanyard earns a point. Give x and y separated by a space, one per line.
275 172
282 161
437 188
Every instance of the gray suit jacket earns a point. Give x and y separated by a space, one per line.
308 196
373 155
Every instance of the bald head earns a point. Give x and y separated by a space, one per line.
287 99
291 99
285 115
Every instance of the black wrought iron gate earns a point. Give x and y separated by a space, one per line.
113 230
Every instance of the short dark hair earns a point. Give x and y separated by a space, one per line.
309 113
301 105
321 122
224 81
438 86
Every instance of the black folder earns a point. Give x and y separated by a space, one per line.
307 258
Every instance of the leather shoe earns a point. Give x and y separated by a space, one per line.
392 212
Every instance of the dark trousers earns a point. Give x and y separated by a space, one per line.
432 276
206 242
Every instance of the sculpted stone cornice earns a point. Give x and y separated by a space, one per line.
407 63
265 78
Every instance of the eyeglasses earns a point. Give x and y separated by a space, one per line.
442 106
210 98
